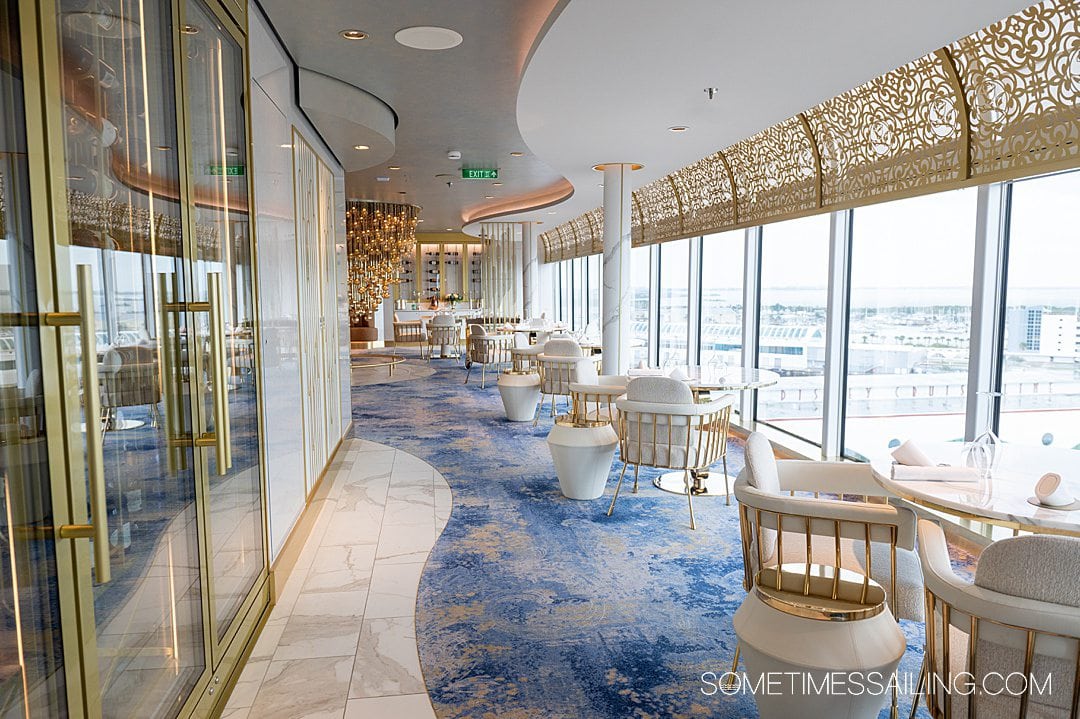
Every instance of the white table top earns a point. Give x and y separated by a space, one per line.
729 379
1003 497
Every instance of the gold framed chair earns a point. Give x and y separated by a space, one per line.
485 349
443 332
661 425
410 333
560 364
1019 616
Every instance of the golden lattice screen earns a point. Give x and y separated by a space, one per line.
999 104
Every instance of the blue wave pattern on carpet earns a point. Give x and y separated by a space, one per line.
533 605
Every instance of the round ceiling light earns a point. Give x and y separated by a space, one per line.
517 154
393 167
496 184
360 147
489 197
449 229
425 37
353 34
678 128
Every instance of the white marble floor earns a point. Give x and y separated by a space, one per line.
341 642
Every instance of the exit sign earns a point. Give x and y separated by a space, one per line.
230 170
480 173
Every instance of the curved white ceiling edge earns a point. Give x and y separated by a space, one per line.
347 116
610 76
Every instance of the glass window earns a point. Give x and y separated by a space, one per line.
596 281
791 340
639 305
910 321
1041 368
721 298
674 302
578 268
565 289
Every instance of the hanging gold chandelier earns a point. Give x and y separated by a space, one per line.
379 235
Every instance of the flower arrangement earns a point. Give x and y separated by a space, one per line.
453 298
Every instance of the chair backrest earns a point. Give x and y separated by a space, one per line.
558 372
562 348
476 330
659 426
662 390
405 332
1023 611
440 333
443 320
129 376
521 340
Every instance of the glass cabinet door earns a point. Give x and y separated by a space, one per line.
215 84
122 254
32 681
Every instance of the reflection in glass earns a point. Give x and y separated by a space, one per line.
639 305
674 302
219 166
791 339
1041 378
722 299
910 321
31 660
124 222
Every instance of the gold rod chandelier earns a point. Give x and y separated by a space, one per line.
379 235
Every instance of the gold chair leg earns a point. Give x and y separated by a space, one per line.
617 486
467 373
729 684
539 409
635 478
689 497
918 690
727 488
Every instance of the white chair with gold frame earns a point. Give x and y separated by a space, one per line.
523 354
560 364
444 332
410 332
484 350
662 425
1019 617
595 400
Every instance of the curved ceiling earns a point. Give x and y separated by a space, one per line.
610 76
463 98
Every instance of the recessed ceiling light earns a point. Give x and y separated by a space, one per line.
163 148
393 167
489 197
401 192
353 34
285 146
678 128
496 184
634 166
449 229
517 154
551 212
360 147
420 220
190 29
424 37
382 178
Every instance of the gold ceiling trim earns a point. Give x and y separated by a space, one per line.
1002 103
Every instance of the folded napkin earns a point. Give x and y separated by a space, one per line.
908 453
904 473
679 374
645 372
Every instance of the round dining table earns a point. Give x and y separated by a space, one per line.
1004 497
703 381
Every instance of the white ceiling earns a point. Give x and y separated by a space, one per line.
610 76
464 98
572 83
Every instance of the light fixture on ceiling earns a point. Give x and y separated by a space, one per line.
190 29
426 37
285 146
551 212
361 147
382 178
353 34
634 166
401 192
496 184
517 154
393 167
489 197
678 128
163 148
449 229
420 220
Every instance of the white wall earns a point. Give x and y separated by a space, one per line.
273 115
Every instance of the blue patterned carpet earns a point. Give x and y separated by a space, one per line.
533 605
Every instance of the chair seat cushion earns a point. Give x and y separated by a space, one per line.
909 578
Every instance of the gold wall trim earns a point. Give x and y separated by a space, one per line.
1002 103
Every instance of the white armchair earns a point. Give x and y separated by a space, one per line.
523 354
1020 615
560 364
874 539
660 425
596 400
408 332
485 349
443 332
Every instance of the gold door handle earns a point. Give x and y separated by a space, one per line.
168 291
98 528
222 429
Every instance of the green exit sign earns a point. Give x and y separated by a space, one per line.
230 170
480 173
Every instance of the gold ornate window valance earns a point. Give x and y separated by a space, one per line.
1001 103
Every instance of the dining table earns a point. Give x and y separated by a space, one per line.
1003 495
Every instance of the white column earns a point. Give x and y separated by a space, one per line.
615 303
530 273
